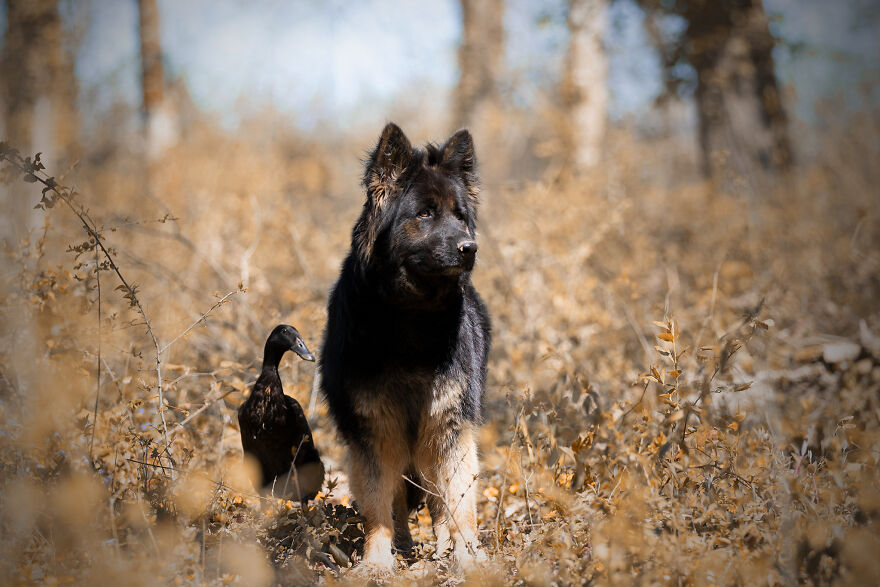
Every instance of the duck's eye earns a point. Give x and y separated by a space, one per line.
426 213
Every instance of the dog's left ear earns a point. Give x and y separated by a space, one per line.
459 157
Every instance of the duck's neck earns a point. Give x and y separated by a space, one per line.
271 357
269 369
269 373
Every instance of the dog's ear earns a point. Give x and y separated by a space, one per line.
459 157
387 163
458 152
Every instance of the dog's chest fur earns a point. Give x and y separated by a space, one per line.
416 410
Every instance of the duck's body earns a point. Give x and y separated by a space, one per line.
274 429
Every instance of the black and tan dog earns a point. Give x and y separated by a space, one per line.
404 356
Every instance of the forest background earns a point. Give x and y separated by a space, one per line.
679 234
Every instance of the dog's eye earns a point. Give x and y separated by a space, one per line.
426 213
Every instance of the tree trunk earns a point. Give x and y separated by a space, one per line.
152 78
584 85
742 124
159 125
38 94
480 59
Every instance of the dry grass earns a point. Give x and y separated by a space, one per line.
669 397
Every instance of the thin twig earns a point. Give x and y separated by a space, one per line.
501 499
113 525
219 303
63 193
637 404
630 318
295 474
98 392
176 235
708 319
217 484
208 404
248 253
448 509
526 487
297 250
146 464
217 269
150 532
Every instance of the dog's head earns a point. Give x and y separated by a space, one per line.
420 215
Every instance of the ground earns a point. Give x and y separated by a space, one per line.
684 384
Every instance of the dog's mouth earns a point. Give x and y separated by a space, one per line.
454 271
434 268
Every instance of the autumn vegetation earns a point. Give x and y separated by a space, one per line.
684 384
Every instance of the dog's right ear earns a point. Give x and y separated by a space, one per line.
387 163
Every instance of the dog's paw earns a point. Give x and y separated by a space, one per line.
378 560
405 547
373 570
468 556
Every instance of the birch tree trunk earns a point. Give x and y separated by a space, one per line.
584 85
159 125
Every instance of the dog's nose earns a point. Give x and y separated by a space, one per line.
468 248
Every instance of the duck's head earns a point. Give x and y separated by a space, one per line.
287 338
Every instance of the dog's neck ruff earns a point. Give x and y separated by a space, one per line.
398 288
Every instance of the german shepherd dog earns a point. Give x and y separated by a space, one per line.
404 356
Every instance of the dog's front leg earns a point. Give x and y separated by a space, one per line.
456 502
403 541
373 485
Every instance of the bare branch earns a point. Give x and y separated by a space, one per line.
33 173
98 391
208 404
219 303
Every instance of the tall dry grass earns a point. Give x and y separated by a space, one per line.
683 384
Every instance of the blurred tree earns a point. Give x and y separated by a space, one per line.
39 86
742 121
480 59
159 126
152 78
38 90
584 84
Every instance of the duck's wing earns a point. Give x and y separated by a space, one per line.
252 445
247 426
264 431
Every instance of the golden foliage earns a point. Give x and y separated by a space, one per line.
683 385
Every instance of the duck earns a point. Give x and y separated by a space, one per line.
274 429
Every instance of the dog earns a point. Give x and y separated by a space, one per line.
404 355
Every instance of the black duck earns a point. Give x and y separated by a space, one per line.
274 429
